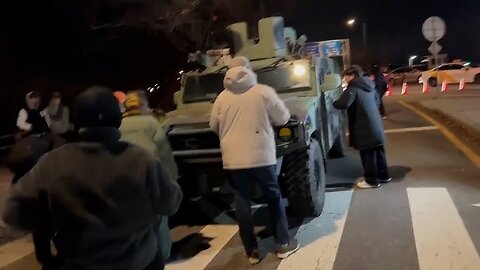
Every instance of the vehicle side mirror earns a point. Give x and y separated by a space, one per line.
176 98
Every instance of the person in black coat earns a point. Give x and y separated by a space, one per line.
381 86
366 127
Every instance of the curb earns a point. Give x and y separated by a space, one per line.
426 114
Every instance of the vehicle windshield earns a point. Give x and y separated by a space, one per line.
283 78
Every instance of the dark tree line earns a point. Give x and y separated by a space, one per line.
65 45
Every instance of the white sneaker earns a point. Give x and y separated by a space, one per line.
362 184
254 257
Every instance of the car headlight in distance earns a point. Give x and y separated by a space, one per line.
285 134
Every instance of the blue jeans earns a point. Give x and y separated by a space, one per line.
165 241
265 177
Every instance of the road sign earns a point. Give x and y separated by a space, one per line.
312 48
332 48
435 48
434 28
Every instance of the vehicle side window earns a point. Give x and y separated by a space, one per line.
445 67
401 70
456 67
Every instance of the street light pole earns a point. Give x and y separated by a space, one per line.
351 23
364 31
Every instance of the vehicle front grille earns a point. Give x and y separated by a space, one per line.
198 141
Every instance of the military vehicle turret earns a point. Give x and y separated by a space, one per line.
307 84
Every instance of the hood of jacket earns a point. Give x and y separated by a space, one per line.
239 79
363 83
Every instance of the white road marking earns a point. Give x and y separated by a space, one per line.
15 250
220 235
441 238
414 129
476 205
320 238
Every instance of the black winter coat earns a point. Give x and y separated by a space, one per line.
365 123
380 85
101 197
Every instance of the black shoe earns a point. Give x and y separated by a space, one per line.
283 251
384 181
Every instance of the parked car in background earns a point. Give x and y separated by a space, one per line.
404 75
451 73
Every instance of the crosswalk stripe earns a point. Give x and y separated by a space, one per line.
220 235
441 238
15 250
320 238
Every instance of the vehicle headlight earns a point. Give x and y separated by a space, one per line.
299 70
285 134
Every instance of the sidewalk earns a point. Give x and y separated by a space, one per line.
465 110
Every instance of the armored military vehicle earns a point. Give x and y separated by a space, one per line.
307 84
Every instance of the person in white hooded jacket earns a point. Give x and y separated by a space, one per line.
242 116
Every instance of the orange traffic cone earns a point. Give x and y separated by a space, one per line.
426 88
404 89
444 87
389 90
461 86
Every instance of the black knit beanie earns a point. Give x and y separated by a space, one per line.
97 107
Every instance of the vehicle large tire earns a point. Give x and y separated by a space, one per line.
304 181
432 82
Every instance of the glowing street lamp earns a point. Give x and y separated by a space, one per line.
299 70
351 23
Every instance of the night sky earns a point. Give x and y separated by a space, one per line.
50 46
394 26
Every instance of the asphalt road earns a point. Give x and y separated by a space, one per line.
424 219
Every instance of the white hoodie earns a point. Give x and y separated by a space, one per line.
242 116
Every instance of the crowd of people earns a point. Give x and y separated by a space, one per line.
104 198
